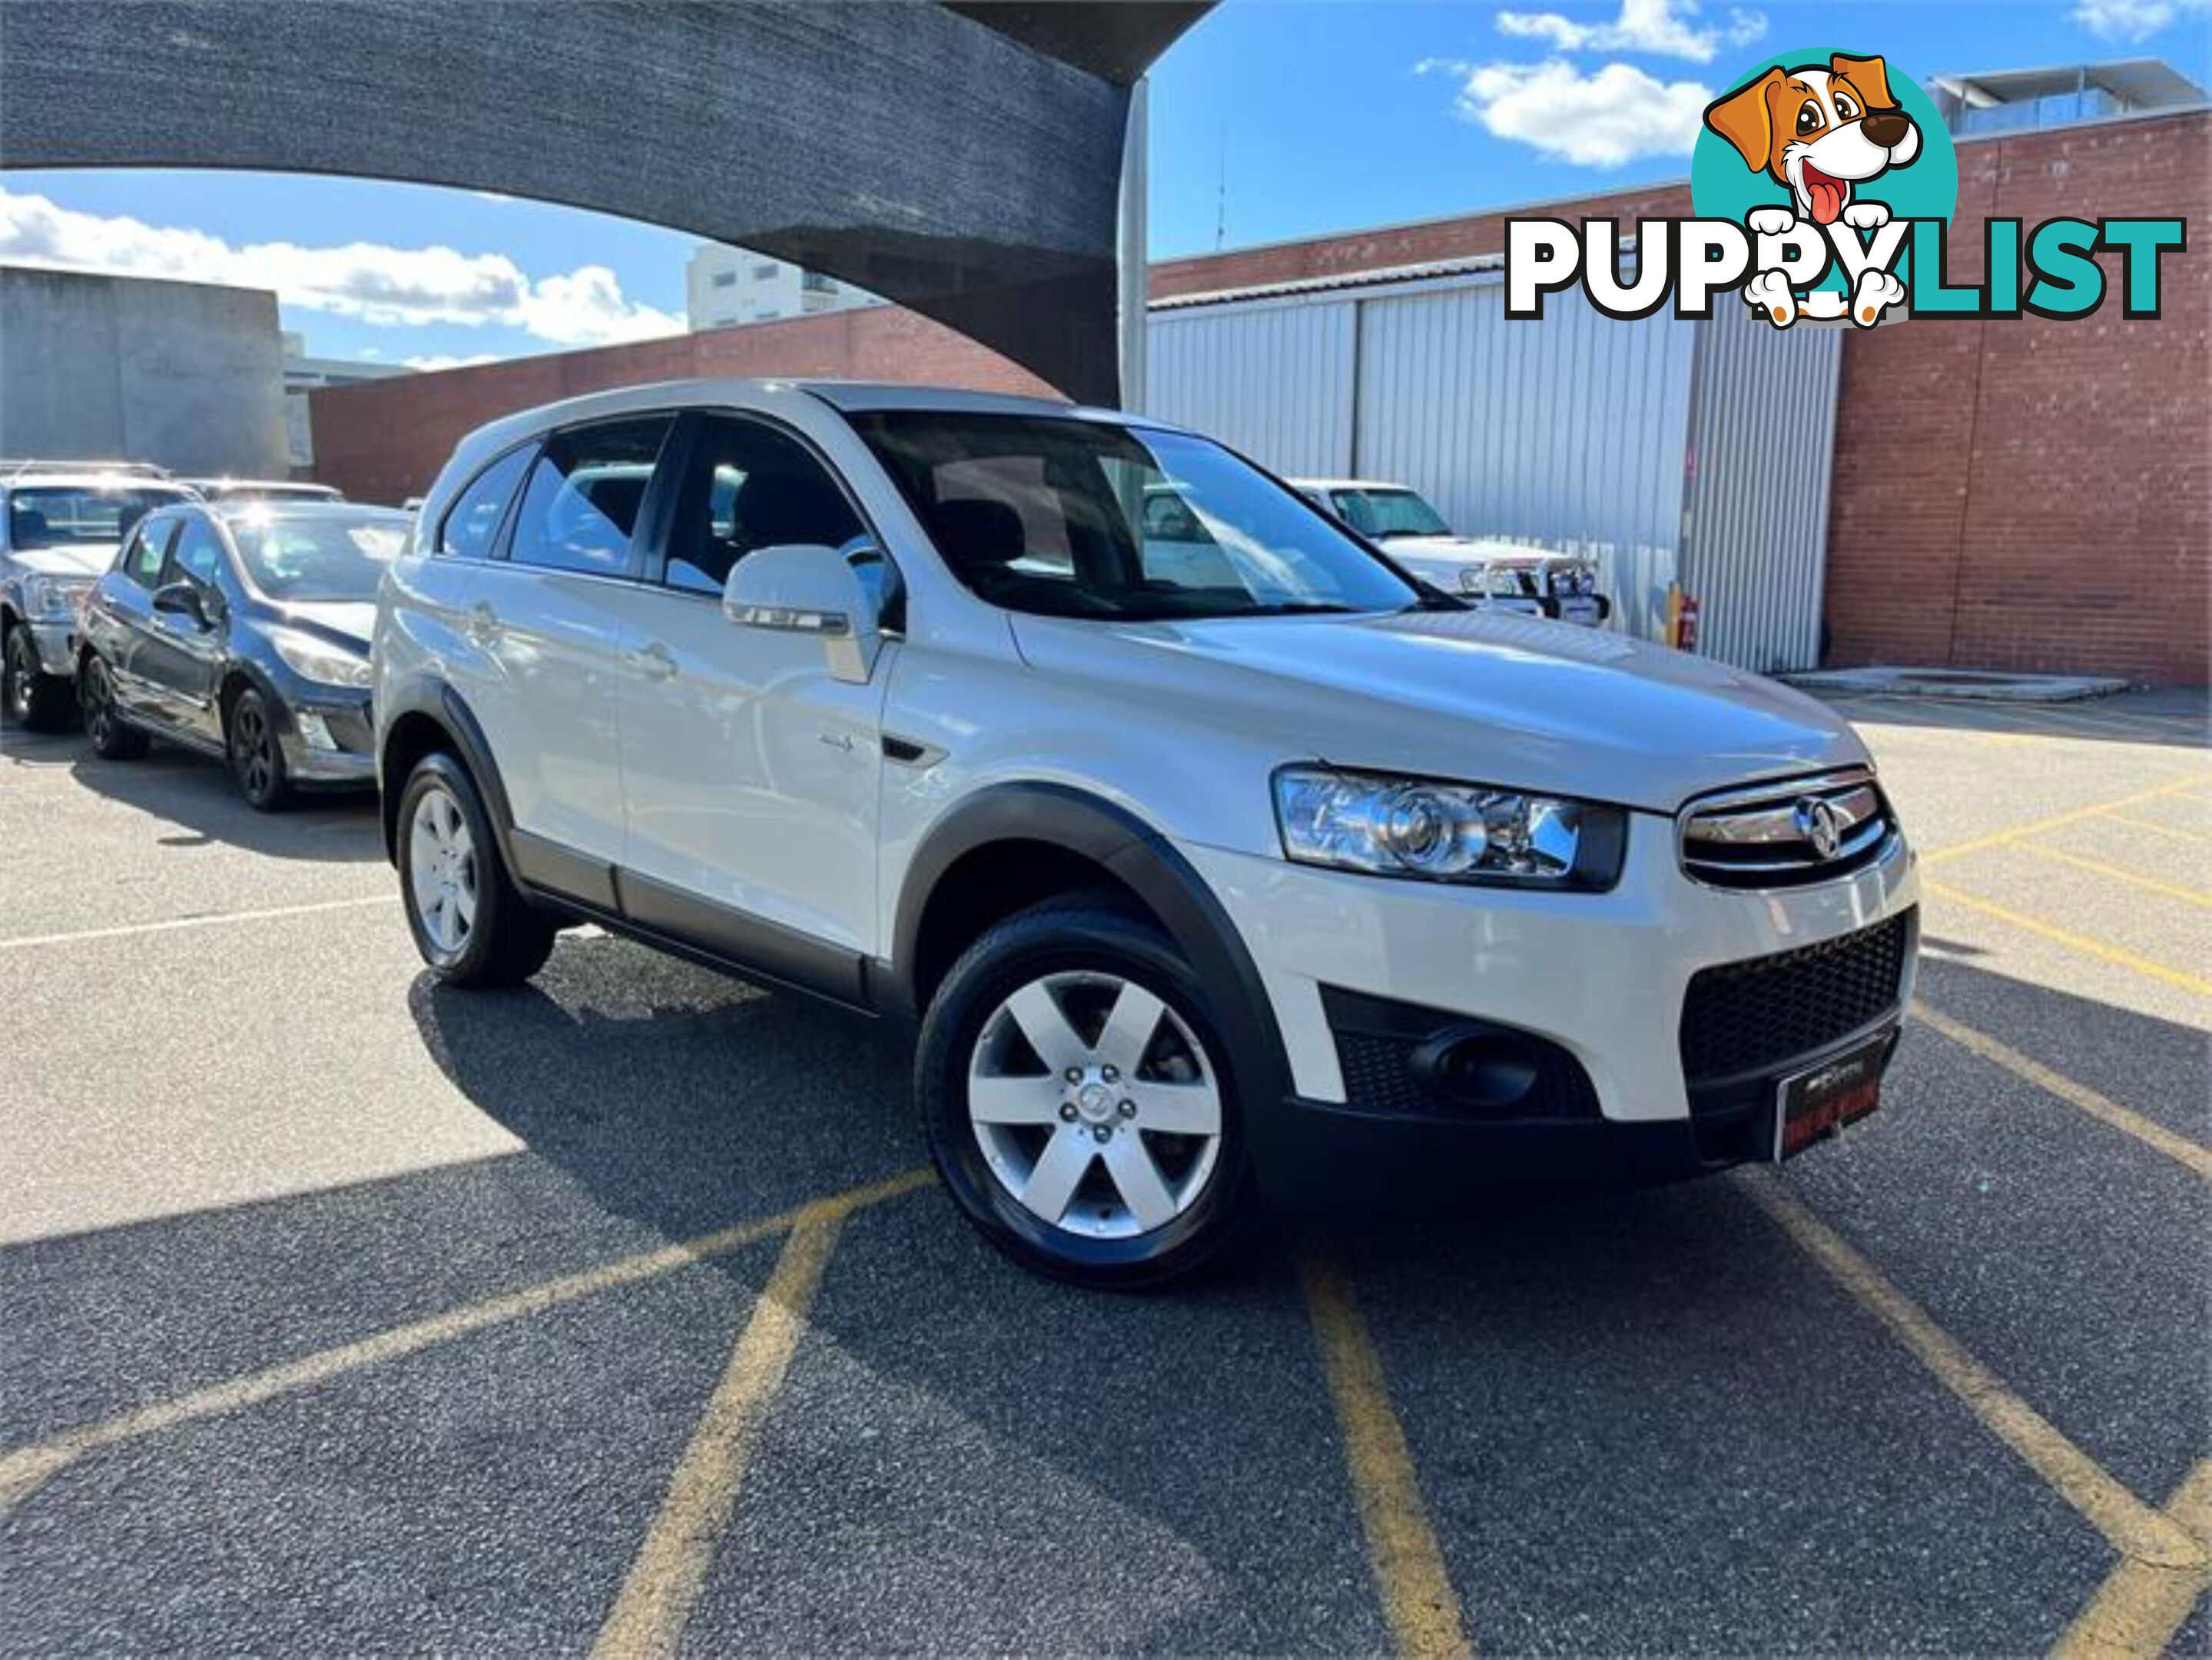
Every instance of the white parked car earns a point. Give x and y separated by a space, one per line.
60 525
1495 575
1207 865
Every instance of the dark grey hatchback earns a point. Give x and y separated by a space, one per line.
242 631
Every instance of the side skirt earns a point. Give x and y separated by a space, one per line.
717 937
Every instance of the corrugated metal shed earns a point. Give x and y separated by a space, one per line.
1617 440
1568 432
1271 381
1755 500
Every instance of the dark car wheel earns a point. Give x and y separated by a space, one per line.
470 922
113 738
257 758
1077 1101
35 700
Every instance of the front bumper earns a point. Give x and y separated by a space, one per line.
1603 977
348 725
58 642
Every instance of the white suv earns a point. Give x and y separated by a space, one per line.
1246 868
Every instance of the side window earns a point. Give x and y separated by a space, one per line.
473 520
198 554
149 544
582 500
749 486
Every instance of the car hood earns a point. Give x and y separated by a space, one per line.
77 559
1483 696
348 623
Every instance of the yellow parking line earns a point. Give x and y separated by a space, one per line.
26 942
671 1566
2174 830
2157 1136
2099 949
2036 827
1402 1551
2099 868
2143 1605
25 1470
2135 1528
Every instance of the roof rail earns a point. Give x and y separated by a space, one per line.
14 467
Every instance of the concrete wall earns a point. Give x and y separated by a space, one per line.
181 373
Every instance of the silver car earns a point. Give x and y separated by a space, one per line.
59 529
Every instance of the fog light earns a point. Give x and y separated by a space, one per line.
1488 1071
315 731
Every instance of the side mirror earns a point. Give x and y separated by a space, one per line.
182 599
805 588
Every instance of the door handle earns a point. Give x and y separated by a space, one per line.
484 624
654 662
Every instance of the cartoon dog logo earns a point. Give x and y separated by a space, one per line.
1821 132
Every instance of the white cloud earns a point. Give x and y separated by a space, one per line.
379 285
2133 20
1598 120
431 362
1664 28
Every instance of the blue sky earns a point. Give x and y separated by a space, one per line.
1319 116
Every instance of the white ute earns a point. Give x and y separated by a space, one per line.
1210 858
1488 572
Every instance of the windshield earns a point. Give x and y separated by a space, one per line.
1068 518
62 515
1385 514
335 556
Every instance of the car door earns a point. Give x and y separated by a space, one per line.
183 656
119 617
751 773
545 622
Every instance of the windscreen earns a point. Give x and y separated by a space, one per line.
1073 518
334 556
1386 513
62 515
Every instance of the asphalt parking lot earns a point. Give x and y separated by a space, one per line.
340 1313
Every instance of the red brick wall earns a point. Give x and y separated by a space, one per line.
2038 495
383 440
2025 495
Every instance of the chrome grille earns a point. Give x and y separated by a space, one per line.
1788 833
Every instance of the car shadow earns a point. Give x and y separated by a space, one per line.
197 797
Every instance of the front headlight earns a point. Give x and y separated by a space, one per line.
1390 826
311 659
51 599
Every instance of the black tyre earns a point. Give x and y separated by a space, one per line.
1079 1101
113 738
470 924
32 698
256 757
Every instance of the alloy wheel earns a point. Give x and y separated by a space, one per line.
441 870
252 748
1094 1104
97 703
22 671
